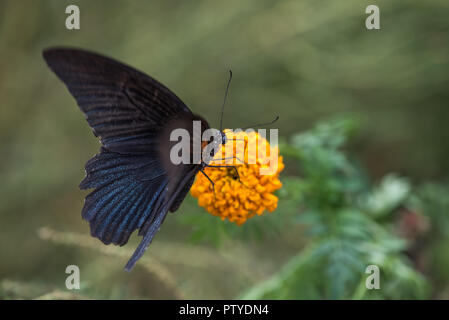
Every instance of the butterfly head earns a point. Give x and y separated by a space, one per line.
224 139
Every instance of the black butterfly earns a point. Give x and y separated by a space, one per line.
135 182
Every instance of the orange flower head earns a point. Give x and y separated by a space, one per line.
238 196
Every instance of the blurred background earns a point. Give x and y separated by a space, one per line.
363 124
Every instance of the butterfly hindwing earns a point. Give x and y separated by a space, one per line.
152 225
126 188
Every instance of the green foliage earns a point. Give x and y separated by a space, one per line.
340 210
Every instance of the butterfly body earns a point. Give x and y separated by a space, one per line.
133 180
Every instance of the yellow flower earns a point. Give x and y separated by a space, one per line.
240 197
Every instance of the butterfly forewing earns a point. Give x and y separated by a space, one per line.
118 101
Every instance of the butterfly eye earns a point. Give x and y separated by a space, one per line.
224 139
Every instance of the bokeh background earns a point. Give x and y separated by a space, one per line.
307 61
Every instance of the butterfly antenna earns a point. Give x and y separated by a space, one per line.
224 100
262 124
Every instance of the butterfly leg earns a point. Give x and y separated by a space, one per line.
224 166
213 184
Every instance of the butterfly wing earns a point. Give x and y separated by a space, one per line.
126 109
149 229
126 187
121 104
